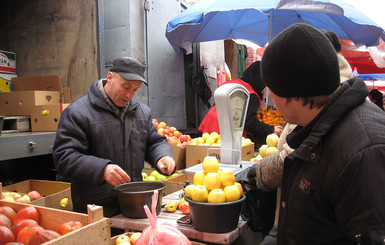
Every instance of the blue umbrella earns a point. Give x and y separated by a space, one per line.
259 21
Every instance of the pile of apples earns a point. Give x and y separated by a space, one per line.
214 139
127 238
156 176
12 196
270 148
181 204
173 135
213 185
24 227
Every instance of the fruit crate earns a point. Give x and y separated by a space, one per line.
95 231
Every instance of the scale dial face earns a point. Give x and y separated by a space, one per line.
238 105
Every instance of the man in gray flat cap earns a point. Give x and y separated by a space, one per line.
105 136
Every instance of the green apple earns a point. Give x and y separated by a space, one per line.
160 177
150 178
154 173
144 175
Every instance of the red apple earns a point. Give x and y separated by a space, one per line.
183 138
172 129
185 207
34 195
177 133
24 199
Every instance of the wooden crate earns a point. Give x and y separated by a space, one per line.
96 230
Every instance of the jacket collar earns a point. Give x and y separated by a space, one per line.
306 140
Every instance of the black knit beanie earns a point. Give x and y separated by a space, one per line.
300 62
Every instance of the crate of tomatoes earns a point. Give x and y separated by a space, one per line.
30 224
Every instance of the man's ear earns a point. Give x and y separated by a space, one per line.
110 75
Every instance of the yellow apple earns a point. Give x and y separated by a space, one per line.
123 238
232 193
171 206
210 140
246 142
239 188
198 178
214 135
181 202
262 150
271 150
216 196
45 112
64 202
188 190
8 199
24 199
199 193
211 181
227 177
134 236
272 140
205 136
210 164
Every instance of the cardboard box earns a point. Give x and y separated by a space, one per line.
195 154
20 103
7 62
42 83
5 82
179 154
66 92
177 183
52 192
96 229
42 122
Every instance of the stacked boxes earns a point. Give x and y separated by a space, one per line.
39 97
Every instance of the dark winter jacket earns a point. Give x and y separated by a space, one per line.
333 187
90 136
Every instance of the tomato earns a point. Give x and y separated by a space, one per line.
69 226
6 235
42 236
23 223
29 212
8 211
5 221
14 243
26 233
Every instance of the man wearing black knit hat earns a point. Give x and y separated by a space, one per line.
333 182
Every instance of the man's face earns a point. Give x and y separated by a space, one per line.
120 90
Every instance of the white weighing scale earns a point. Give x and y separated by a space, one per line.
231 100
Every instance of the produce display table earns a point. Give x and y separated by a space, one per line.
121 222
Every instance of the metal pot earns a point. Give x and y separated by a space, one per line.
215 217
133 196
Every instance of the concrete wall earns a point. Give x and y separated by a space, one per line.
53 37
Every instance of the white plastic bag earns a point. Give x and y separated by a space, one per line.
160 234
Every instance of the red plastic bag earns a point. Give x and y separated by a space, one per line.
160 234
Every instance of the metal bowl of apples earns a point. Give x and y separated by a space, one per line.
133 196
215 217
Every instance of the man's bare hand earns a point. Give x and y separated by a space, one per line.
115 175
166 165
